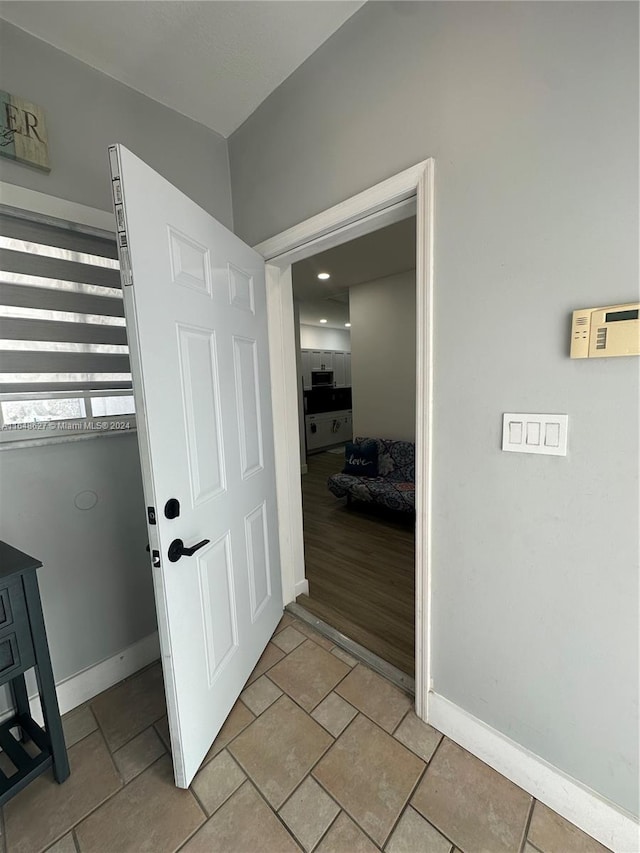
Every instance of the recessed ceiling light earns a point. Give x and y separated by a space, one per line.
323 276
323 321
347 325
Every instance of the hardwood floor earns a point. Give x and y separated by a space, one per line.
360 567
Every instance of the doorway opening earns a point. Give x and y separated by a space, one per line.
355 307
383 204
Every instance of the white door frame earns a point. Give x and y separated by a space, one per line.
370 210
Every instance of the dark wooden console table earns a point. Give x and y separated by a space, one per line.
23 645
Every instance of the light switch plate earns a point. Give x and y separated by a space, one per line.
522 433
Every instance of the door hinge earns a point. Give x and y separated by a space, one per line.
125 261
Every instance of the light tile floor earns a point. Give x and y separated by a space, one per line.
319 754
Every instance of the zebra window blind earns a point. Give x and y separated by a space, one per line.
63 343
62 326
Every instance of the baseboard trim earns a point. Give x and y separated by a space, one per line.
603 820
302 588
84 685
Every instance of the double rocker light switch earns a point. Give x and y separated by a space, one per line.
535 433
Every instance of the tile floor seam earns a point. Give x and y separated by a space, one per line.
84 737
158 759
376 723
427 821
273 810
328 829
317 781
406 745
99 729
407 802
74 826
351 817
454 846
151 725
228 797
527 824
74 838
95 809
442 831
295 701
434 827
337 684
344 808
307 774
106 800
335 740
346 703
269 668
409 710
196 830
313 779
200 804
249 686
443 737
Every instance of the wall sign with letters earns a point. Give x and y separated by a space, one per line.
23 132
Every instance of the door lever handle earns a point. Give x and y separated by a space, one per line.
177 549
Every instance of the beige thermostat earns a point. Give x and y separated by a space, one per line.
604 332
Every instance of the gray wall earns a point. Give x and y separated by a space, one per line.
531 111
96 584
383 357
96 581
86 111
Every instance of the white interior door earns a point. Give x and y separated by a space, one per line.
195 305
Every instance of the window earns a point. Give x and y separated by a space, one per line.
64 360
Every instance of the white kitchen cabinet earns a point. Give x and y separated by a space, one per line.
339 372
306 369
321 360
328 429
336 360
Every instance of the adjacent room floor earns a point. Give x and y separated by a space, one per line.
360 566
318 754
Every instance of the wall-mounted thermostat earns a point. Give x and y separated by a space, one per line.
605 332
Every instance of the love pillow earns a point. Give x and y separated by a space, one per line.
361 460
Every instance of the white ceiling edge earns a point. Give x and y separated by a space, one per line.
214 62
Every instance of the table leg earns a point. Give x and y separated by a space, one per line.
46 684
18 688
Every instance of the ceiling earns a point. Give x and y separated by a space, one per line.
389 251
214 62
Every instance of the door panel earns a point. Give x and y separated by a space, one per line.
245 358
196 320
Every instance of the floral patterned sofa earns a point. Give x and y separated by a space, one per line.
393 488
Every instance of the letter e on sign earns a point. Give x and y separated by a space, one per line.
23 132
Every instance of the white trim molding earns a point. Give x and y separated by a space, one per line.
88 683
302 588
380 198
598 817
59 208
398 197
